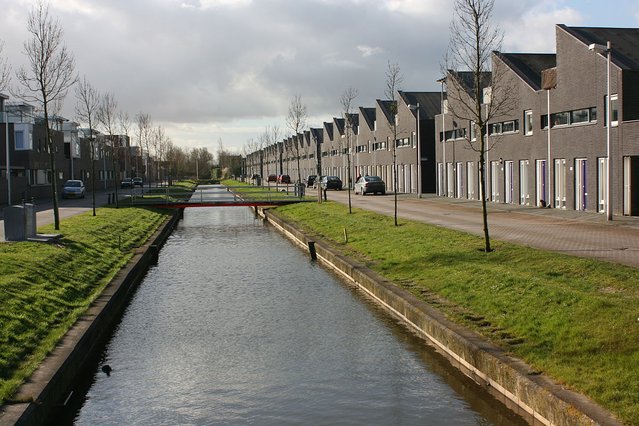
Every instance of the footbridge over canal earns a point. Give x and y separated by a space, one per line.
221 196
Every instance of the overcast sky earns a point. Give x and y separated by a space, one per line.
224 69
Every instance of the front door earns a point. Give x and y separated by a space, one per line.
581 192
560 183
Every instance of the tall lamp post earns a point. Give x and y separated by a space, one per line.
607 49
419 151
6 139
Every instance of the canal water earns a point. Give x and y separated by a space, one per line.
237 326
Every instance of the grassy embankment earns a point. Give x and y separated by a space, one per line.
574 319
44 288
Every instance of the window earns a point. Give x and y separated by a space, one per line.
568 118
402 142
579 116
511 126
360 148
378 146
614 107
560 119
473 131
23 137
528 122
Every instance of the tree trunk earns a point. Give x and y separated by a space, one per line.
482 178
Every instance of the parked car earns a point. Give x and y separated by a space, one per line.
370 185
255 176
126 183
318 182
271 178
283 179
137 181
310 180
73 189
331 182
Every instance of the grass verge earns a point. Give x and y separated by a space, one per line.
574 319
44 288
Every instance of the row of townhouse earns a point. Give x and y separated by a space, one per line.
27 173
551 148
366 137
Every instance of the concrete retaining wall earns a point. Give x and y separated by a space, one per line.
52 383
534 396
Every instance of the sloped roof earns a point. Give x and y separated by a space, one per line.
624 41
528 66
317 134
386 106
466 79
429 102
369 116
354 119
340 124
329 129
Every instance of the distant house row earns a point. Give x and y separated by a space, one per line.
551 148
29 161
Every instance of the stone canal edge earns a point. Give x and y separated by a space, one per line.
532 395
52 383
513 382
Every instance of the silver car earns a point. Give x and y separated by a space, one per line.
370 185
73 189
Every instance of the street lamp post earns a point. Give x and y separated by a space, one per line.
419 152
607 49
6 139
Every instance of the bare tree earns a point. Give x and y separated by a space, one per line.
144 124
484 95
86 109
296 121
394 80
107 117
48 77
124 120
346 100
5 69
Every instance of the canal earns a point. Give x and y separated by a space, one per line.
235 325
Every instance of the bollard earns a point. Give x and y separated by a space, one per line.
311 249
109 199
324 194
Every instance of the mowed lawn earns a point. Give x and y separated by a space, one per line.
574 319
44 288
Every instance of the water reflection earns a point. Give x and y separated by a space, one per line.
236 326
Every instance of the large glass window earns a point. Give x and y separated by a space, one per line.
579 116
560 119
528 122
614 107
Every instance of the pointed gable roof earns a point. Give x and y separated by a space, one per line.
317 134
429 102
386 107
340 125
529 66
625 42
328 127
369 116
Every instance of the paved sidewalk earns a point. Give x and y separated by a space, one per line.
575 233
66 208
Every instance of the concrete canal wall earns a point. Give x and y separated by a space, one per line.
532 395
50 386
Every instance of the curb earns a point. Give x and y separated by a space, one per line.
52 383
533 396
